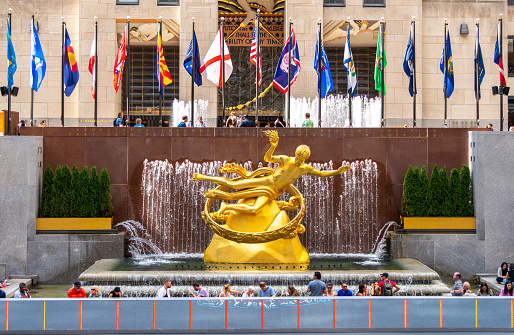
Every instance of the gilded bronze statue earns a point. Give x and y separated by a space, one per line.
257 229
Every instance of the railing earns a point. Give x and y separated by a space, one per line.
220 314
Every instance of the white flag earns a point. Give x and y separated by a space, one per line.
349 65
92 61
211 67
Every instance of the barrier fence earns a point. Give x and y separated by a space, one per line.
220 314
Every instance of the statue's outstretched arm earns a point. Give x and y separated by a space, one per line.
273 140
329 173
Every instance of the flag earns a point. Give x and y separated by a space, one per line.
38 63
253 54
92 65
498 56
212 62
349 65
11 58
408 64
326 82
188 60
120 61
446 66
281 73
71 68
161 69
479 61
380 63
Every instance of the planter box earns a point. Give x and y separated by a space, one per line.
73 223
438 223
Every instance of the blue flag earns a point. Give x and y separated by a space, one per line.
408 64
71 68
281 73
446 66
38 63
479 65
11 58
325 81
188 60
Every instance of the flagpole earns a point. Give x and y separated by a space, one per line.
382 84
127 62
445 71
501 57
222 40
31 89
162 93
349 93
319 73
288 109
257 69
62 72
477 76
193 75
10 88
96 71
413 24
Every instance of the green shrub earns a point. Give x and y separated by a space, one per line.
93 194
74 193
83 196
434 193
66 201
455 190
105 194
423 190
466 192
45 208
407 193
446 207
57 194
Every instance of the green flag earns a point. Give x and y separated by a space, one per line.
380 63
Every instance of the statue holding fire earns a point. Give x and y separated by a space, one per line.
257 228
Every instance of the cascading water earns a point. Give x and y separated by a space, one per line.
181 108
341 216
334 111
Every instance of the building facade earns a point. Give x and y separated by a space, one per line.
364 20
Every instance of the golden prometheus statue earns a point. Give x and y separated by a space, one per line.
257 228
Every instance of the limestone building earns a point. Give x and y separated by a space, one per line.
364 17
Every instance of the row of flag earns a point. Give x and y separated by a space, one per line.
212 63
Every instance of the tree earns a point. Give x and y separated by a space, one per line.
407 193
434 197
57 194
447 208
423 190
66 201
466 192
83 195
417 194
105 194
74 192
45 209
93 194
455 191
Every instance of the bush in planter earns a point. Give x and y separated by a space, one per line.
467 208
407 193
75 192
93 194
423 190
66 202
45 209
434 193
83 190
455 190
57 194
446 208
105 194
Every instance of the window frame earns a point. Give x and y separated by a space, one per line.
364 4
124 3
342 4
168 4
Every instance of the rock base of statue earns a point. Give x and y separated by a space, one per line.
268 218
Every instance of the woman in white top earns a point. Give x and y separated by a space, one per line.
226 292
248 293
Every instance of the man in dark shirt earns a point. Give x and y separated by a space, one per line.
246 122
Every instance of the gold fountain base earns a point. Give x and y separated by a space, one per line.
268 218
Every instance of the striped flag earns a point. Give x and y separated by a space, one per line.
253 54
498 56
71 69
161 69
120 61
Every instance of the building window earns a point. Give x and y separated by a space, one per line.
168 2
374 3
510 2
144 90
127 2
510 56
334 3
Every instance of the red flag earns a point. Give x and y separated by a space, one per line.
120 61
92 65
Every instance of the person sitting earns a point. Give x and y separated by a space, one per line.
77 291
344 291
330 292
2 295
118 122
116 293
292 291
23 292
375 289
502 273
266 291
249 292
363 290
246 122
4 284
201 291
507 290
164 292
226 292
467 291
139 123
510 273
95 292
484 290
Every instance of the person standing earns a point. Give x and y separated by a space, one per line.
458 290
344 291
118 122
77 291
266 291
307 123
386 286
316 287
246 122
184 123
139 123
200 122
231 121
202 293
164 292
23 292
279 122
